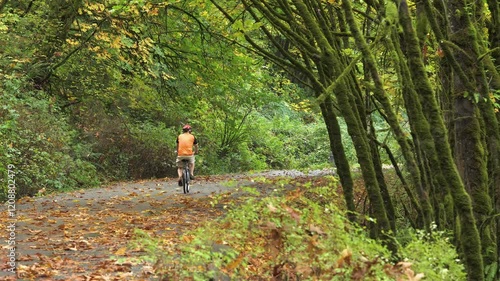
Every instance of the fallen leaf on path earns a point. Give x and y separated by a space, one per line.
121 251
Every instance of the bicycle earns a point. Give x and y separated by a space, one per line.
185 176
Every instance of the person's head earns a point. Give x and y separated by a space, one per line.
186 128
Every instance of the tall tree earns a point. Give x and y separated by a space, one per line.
455 162
311 28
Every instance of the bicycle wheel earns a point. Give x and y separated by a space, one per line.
185 180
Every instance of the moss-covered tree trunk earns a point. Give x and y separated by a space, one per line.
339 156
421 126
315 73
347 106
321 63
361 143
476 130
311 28
493 138
494 29
377 165
488 78
388 112
422 138
469 234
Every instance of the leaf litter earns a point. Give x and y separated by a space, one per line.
86 234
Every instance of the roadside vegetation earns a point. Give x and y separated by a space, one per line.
94 92
295 228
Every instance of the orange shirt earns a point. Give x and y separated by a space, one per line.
185 143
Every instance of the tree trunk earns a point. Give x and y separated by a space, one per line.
339 156
494 29
361 144
469 236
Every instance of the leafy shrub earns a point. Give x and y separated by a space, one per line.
287 142
153 153
296 238
124 148
433 254
37 139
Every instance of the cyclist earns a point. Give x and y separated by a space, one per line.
187 147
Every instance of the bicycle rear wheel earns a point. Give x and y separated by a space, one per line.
185 180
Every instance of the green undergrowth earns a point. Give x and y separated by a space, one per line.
301 235
39 144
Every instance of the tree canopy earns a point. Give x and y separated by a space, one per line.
97 90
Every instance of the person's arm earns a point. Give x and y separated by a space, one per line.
177 147
195 145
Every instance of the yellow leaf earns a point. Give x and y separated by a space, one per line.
232 265
72 42
117 43
187 238
154 12
121 251
345 258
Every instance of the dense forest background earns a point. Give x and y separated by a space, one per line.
93 93
96 91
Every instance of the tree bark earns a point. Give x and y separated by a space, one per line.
339 156
361 143
469 234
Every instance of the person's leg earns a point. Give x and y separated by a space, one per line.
191 166
179 173
179 170
191 169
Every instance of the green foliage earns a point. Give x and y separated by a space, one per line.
495 99
19 32
391 13
286 141
298 236
37 139
421 252
275 136
153 150
126 89
147 243
123 149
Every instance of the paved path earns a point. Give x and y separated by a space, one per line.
87 234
